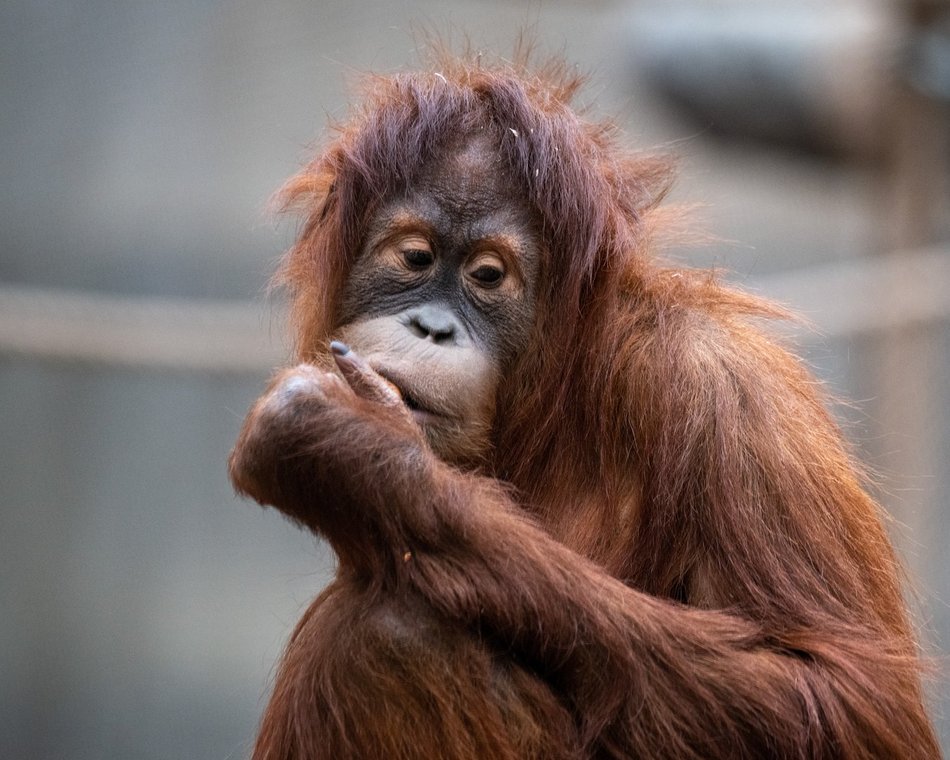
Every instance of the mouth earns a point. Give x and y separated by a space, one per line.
419 410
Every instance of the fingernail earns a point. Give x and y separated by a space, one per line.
339 348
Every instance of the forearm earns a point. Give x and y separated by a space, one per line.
348 470
697 683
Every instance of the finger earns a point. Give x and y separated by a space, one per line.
362 378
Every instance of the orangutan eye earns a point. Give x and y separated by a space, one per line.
487 275
488 270
418 258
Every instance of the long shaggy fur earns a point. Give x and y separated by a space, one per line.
683 562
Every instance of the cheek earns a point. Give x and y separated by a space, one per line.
508 328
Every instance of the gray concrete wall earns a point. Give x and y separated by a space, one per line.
142 607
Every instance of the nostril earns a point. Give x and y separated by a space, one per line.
442 332
432 323
416 328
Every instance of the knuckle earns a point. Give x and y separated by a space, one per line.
303 385
296 386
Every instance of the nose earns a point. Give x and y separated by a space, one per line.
435 323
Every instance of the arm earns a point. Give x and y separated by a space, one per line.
751 499
336 462
793 669
647 676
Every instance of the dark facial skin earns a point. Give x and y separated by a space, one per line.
442 296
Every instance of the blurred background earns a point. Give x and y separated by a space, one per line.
142 606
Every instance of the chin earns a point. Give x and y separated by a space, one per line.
456 442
